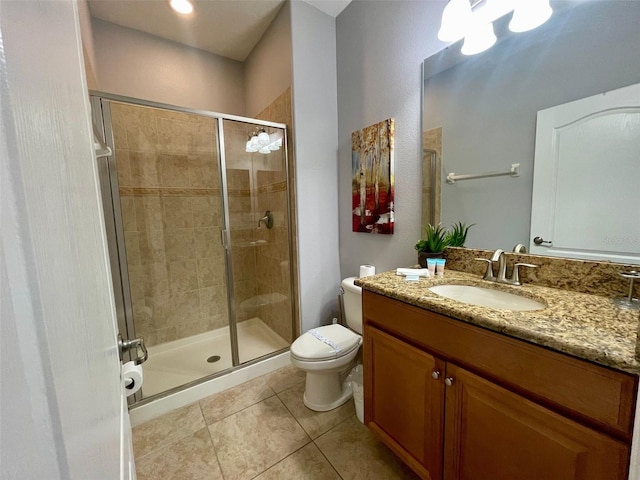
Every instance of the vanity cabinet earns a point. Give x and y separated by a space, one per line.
459 402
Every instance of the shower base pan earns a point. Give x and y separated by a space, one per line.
182 361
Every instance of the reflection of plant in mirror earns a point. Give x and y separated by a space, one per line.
457 235
437 238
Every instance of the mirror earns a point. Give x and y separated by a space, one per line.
486 106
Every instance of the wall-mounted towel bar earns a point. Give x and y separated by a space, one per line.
513 172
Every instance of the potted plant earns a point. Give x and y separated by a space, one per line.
437 238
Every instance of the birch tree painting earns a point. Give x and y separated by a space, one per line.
372 178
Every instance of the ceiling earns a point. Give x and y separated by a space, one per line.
229 28
330 7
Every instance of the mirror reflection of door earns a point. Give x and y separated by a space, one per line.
579 211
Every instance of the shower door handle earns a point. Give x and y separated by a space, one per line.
137 343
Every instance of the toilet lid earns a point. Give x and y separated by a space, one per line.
325 343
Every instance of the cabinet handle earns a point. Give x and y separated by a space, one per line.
435 374
448 381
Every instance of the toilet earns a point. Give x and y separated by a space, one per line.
327 354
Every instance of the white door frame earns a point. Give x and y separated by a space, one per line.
62 397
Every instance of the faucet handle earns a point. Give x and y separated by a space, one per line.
515 278
488 275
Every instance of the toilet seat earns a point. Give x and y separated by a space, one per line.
325 343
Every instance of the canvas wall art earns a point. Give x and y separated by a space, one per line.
372 178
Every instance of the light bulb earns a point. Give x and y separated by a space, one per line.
275 142
184 7
250 147
263 138
479 39
264 150
456 18
529 14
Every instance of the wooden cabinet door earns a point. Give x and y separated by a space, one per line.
494 434
403 401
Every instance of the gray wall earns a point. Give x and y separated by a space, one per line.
139 65
267 69
488 104
316 136
381 46
88 51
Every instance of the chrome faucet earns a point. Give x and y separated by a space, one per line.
519 248
498 256
501 277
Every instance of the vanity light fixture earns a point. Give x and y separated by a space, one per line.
529 14
480 38
261 141
473 20
455 20
185 7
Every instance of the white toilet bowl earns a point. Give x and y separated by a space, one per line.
327 354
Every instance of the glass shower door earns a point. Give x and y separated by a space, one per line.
168 217
258 237
199 238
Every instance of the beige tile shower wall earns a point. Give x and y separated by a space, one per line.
278 315
242 223
171 209
273 258
431 140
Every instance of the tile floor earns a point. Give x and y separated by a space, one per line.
261 430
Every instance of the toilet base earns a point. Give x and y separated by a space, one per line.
324 392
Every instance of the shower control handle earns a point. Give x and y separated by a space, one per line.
137 343
267 219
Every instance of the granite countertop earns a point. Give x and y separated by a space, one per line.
586 326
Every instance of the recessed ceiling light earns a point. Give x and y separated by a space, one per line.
181 6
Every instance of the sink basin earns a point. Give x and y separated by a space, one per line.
487 297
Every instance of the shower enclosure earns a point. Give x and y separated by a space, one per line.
198 225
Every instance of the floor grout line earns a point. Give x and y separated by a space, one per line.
291 413
283 459
323 454
328 461
163 447
215 451
241 410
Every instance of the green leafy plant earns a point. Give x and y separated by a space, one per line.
437 238
434 239
457 235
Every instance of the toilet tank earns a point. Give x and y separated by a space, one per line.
352 299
